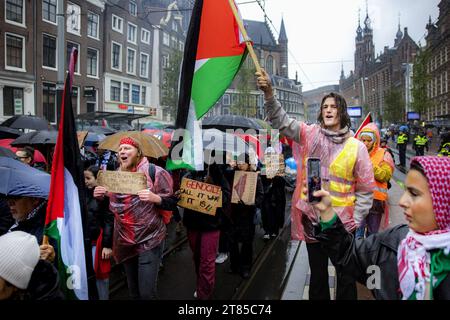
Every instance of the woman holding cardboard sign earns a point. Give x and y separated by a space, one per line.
139 228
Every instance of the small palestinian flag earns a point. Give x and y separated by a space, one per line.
214 52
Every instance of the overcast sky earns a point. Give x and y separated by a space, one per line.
321 31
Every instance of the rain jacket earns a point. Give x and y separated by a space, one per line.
138 226
44 283
311 141
358 257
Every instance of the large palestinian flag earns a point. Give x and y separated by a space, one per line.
214 52
65 205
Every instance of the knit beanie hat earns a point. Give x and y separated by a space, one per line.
19 254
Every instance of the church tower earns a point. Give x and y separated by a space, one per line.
283 44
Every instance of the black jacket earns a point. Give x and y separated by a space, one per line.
34 225
354 257
6 219
99 216
44 283
194 220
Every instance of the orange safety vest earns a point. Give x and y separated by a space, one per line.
342 182
381 190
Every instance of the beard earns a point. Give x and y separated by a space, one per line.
130 165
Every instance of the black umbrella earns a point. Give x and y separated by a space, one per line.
42 137
26 122
4 152
9 133
103 130
224 122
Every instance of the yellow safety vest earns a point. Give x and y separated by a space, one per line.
342 183
402 138
445 150
421 141
381 189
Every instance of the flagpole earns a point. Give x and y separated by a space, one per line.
247 40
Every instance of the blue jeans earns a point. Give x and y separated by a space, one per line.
102 284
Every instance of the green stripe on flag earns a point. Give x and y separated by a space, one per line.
211 81
52 231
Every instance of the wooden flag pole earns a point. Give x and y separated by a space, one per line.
247 40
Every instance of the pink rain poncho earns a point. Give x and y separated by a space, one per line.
138 226
312 141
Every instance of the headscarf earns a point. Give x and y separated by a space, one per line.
372 131
416 265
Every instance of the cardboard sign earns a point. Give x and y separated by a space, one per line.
122 182
81 135
200 196
244 187
274 165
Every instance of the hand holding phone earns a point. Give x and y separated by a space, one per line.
314 180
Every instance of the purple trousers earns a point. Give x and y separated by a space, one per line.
204 249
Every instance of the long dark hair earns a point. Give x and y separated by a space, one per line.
341 105
94 169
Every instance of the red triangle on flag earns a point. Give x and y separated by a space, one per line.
366 121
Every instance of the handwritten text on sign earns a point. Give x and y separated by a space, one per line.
122 182
200 196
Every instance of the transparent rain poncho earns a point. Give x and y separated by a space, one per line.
138 225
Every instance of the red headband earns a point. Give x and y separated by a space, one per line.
130 141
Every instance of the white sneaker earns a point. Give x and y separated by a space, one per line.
221 258
195 294
266 236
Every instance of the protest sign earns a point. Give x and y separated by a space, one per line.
122 182
200 196
274 165
244 187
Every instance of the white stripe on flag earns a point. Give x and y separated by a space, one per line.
193 150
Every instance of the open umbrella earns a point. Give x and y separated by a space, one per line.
7 132
5 152
26 122
38 156
33 138
19 179
165 135
154 125
214 139
224 122
150 145
103 130
93 138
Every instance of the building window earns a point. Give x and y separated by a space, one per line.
269 64
75 102
174 26
174 42
92 62
71 45
226 99
117 23
116 57
15 12
49 101
132 33
49 11
73 18
93 20
135 93
165 61
145 36
181 46
166 39
131 61
133 8
144 65
115 90
143 95
15 55
126 92
12 101
49 51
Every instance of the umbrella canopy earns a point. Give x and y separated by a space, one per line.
7 132
5 152
154 125
102 130
150 145
165 135
93 138
26 122
42 137
38 156
224 122
19 179
214 139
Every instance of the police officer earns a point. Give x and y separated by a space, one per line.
420 143
402 142
444 149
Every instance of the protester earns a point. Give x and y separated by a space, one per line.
100 228
26 155
203 230
346 172
383 167
23 276
414 259
138 228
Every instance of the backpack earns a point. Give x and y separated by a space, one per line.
166 214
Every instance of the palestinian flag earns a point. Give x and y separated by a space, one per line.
65 206
366 121
214 52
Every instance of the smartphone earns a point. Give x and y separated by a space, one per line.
314 179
